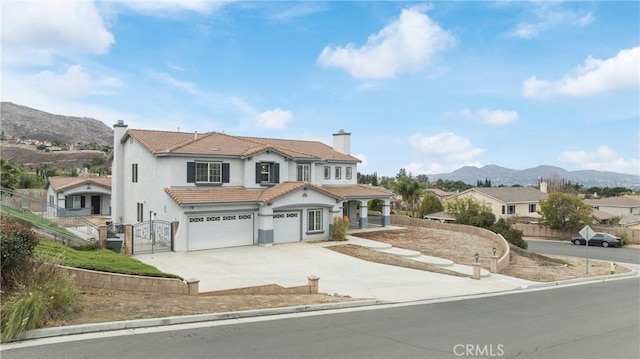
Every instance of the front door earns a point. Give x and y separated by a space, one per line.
95 204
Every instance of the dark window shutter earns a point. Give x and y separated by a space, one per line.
82 201
225 173
191 172
257 172
275 175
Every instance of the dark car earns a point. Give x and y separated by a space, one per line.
599 239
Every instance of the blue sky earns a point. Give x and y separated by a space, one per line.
426 86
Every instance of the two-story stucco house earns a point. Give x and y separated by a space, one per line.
506 202
226 191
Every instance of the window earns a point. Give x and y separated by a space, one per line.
348 173
327 172
338 172
209 172
511 209
267 173
532 208
314 220
503 209
140 212
304 173
74 202
134 172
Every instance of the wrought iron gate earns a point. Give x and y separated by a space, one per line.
152 236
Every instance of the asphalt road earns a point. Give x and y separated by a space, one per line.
626 254
598 320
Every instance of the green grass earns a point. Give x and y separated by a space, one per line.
39 222
103 260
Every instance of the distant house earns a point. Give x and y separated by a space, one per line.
507 202
442 195
617 206
79 196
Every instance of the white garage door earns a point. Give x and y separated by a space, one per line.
286 227
220 230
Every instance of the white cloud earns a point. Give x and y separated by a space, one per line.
274 119
550 15
443 152
593 78
602 159
489 117
33 32
294 10
173 82
164 7
362 157
407 43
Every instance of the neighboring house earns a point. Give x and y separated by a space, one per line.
442 217
227 191
616 206
507 202
442 195
79 196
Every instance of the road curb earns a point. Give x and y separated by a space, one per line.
153 322
599 278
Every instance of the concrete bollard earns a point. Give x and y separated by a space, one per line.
312 282
476 271
494 264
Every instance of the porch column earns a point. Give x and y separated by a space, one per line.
364 220
386 213
265 225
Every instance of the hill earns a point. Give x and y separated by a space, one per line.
506 176
25 122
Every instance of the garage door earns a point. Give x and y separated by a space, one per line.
219 231
286 227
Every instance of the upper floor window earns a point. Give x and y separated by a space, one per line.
327 172
532 208
207 172
348 173
134 172
267 172
304 173
338 173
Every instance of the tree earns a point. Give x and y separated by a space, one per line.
564 211
430 204
422 178
410 190
9 174
375 205
470 212
401 174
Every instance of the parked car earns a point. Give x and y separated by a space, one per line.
599 239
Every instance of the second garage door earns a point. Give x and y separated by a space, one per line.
220 231
286 227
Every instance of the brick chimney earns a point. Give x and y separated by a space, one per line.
342 142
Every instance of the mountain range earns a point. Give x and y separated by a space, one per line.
31 123
530 176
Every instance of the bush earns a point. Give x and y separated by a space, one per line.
340 227
511 235
624 237
46 293
17 241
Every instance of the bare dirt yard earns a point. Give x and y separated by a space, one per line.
107 305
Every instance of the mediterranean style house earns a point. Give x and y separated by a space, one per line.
226 191
79 196
507 202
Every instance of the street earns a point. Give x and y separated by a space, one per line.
625 254
598 320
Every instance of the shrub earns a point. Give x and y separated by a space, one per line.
510 234
17 241
46 293
340 227
624 238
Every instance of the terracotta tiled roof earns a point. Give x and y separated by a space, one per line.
358 191
216 195
215 143
59 183
204 195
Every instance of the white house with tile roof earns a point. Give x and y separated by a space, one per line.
506 202
79 196
226 191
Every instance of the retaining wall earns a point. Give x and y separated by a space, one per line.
533 230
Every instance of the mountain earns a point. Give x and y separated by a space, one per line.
26 122
506 176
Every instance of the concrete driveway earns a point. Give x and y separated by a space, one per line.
290 264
